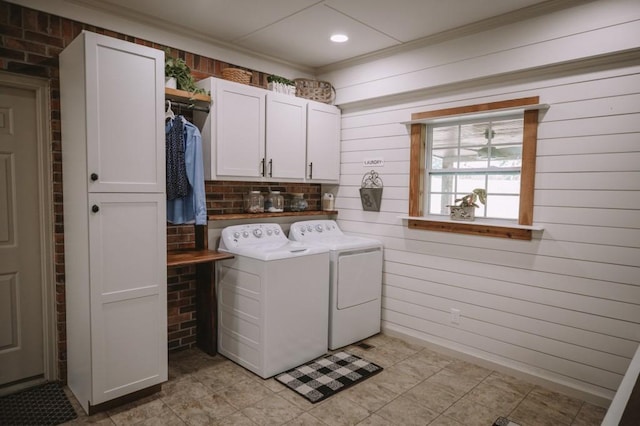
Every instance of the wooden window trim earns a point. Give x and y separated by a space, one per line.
527 173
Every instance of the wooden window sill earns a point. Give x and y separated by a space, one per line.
482 227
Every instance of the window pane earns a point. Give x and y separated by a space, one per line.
506 156
446 158
502 206
473 135
473 162
438 203
444 137
507 131
504 184
467 183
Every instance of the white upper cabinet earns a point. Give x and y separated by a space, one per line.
255 134
239 131
121 90
323 143
286 137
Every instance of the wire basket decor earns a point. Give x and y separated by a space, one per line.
371 191
315 90
238 75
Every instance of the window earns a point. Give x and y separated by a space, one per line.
469 154
490 146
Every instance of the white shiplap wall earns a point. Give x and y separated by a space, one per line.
565 306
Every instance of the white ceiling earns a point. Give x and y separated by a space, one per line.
297 31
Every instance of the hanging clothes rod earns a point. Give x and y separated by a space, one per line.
192 107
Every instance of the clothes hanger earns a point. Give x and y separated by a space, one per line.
169 112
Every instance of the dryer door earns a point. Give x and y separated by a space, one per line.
359 277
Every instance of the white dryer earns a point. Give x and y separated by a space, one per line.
355 279
272 299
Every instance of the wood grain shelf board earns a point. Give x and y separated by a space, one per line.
264 215
186 96
190 257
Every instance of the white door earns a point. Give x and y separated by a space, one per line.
359 278
127 248
323 142
286 136
240 130
21 298
121 90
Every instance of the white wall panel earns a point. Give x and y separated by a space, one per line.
564 306
584 31
621 142
613 180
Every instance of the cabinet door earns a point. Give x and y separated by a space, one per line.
127 252
240 135
125 133
286 136
323 143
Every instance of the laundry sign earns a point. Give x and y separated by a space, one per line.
373 162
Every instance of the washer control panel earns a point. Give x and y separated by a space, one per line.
309 230
238 236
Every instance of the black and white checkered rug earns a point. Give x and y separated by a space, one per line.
326 376
42 405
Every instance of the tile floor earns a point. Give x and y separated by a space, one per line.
417 387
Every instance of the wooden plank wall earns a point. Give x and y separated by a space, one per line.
565 306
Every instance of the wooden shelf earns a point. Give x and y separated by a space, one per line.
192 256
266 215
183 95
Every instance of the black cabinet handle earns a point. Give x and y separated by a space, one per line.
271 167
95 208
262 166
94 177
311 170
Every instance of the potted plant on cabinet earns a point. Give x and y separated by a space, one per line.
177 68
281 85
465 207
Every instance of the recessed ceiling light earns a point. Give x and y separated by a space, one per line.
339 38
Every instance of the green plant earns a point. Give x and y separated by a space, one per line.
277 79
470 199
177 68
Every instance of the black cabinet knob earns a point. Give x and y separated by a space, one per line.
95 208
94 177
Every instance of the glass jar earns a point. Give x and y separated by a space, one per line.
298 203
274 202
253 202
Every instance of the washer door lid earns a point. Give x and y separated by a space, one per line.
359 278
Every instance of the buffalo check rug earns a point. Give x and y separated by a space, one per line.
326 376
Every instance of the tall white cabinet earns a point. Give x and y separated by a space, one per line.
113 158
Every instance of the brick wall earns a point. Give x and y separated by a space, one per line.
30 42
226 197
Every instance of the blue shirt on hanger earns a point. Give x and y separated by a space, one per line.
192 208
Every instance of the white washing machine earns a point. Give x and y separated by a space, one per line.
355 279
272 299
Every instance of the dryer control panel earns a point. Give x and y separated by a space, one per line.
310 230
